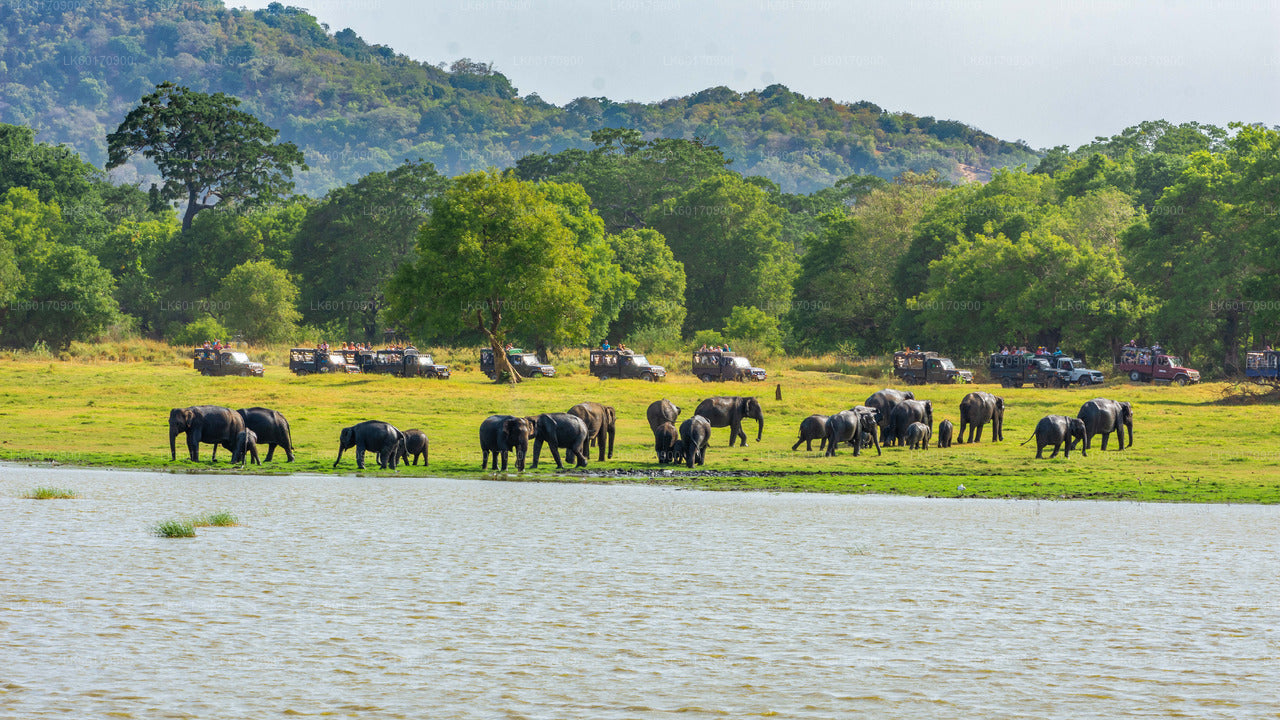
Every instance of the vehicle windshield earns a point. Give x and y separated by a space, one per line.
1066 365
741 362
1175 360
425 360
639 360
239 357
526 359
947 364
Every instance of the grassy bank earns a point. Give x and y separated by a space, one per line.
1188 445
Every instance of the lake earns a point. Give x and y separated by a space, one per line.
386 597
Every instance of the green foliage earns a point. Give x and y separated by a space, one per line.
352 241
496 257
46 492
708 338
174 529
659 296
203 329
72 71
755 326
727 234
260 302
207 150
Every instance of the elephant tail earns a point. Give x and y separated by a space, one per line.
1024 442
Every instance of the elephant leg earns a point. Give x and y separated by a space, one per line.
959 435
742 435
253 452
600 443
359 456
484 458
193 445
271 450
809 447
1039 451
555 453
504 461
1105 435
537 450
1120 437
1056 446
979 436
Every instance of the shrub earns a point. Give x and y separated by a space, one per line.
197 332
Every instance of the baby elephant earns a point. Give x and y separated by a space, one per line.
1058 429
918 436
665 440
812 428
945 428
246 442
417 445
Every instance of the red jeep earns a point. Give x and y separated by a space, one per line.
1143 364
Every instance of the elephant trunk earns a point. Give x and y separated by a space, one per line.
760 432
173 446
1130 426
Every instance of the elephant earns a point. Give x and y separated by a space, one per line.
907 412
601 421
271 428
1103 416
723 410
417 445
695 434
212 424
945 428
1055 430
561 430
500 434
382 438
849 426
885 400
976 410
665 439
246 443
813 428
662 411
918 436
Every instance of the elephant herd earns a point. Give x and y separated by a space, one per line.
888 417
893 417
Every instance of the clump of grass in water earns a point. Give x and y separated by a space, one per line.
222 518
51 493
175 529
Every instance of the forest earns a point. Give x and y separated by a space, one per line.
71 70
1163 233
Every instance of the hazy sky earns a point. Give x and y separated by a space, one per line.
1049 73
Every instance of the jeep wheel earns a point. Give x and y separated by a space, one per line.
705 378
1135 376
1006 382
647 377
1181 380
1085 380
324 370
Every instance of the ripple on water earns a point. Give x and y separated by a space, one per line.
475 599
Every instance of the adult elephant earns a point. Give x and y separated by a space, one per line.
501 434
418 445
813 428
666 439
1104 416
211 424
1058 429
602 424
907 412
271 428
849 425
976 410
885 401
661 411
730 411
695 435
561 430
382 438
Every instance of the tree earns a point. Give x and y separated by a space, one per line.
754 325
659 294
496 256
352 241
206 149
727 234
259 301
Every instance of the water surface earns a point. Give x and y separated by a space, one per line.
383 597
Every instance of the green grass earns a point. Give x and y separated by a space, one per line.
51 493
222 518
1190 446
175 529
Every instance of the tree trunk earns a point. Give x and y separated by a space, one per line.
501 363
193 207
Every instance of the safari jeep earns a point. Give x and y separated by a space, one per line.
402 363
1152 365
524 363
225 362
710 365
1018 370
624 364
305 361
914 366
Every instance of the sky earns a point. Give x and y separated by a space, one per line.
1046 72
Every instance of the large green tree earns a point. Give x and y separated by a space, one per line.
353 240
728 236
659 294
495 257
259 301
207 150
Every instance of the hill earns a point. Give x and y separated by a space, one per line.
73 70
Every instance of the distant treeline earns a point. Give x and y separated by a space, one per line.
1162 233
71 70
